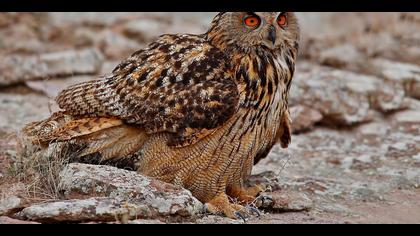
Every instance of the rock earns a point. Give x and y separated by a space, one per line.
289 200
5 19
304 118
116 46
416 158
16 69
213 219
342 56
23 37
164 199
408 121
364 192
10 205
17 111
372 133
144 30
145 222
321 90
100 19
382 96
92 209
52 87
374 129
409 116
22 45
408 75
343 97
8 221
108 67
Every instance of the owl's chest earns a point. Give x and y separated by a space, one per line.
262 117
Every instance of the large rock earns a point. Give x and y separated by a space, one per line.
408 121
316 89
161 198
20 109
10 221
10 205
342 56
15 69
343 97
408 75
214 219
116 46
144 30
304 118
289 200
97 19
53 87
83 210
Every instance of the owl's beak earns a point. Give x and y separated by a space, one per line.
272 34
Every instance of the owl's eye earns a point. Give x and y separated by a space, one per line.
252 21
282 20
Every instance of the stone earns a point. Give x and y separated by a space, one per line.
343 97
10 205
323 91
115 46
342 56
145 222
410 116
374 129
16 69
108 67
408 121
289 200
213 219
52 87
304 118
83 210
11 221
5 19
144 30
100 19
17 111
165 199
408 75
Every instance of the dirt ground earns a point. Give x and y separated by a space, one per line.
355 153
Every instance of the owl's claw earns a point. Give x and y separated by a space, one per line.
221 204
240 215
255 210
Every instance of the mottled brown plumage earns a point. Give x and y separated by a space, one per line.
193 110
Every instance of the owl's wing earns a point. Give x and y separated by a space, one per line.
180 84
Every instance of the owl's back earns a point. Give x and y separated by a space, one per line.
180 84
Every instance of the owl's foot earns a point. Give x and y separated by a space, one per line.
221 205
246 195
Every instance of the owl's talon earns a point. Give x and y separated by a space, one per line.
221 204
254 210
241 216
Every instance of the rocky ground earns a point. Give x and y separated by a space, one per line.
355 154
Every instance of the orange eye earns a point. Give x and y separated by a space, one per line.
282 20
252 21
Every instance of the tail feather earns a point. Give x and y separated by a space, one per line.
108 137
114 143
81 127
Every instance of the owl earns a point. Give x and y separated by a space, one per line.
196 111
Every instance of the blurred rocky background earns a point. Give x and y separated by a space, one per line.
355 154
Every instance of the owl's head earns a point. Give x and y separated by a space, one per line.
247 30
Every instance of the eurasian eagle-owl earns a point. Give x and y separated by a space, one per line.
193 110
